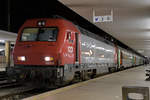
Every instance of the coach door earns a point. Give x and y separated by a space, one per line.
71 46
77 46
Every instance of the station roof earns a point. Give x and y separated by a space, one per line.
7 36
20 10
131 19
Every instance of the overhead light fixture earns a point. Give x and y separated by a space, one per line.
1 49
2 41
140 51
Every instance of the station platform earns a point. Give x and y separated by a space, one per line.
108 87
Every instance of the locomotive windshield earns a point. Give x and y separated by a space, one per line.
39 34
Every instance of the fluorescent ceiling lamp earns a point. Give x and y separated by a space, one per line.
140 51
1 49
2 41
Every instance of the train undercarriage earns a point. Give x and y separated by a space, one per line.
52 76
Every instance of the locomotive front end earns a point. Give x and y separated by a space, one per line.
36 52
36 47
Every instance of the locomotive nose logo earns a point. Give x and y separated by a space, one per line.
70 49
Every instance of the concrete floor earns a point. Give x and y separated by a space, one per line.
107 87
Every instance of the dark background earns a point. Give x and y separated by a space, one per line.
20 10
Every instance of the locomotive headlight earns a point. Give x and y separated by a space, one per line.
21 58
48 58
41 23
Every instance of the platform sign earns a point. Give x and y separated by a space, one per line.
105 18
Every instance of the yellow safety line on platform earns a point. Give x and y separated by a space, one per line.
53 92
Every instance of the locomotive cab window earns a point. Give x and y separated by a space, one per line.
39 34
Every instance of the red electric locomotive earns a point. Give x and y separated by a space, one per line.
44 47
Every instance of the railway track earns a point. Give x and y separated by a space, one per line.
11 90
3 76
4 81
15 93
20 91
